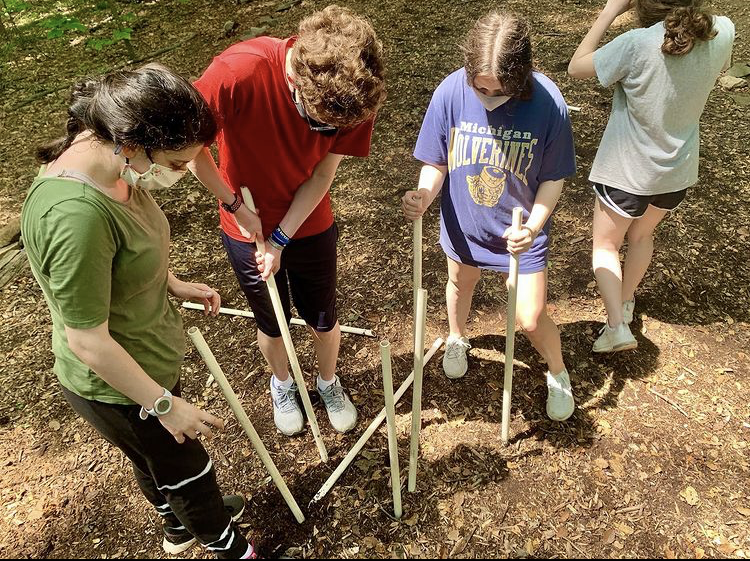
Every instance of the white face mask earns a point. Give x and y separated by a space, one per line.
156 177
491 102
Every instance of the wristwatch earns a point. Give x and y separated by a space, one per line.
162 406
234 207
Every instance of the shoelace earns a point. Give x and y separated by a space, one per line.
454 350
285 399
334 399
557 390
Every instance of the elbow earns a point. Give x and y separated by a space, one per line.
84 346
573 71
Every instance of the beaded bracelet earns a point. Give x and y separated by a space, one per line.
234 207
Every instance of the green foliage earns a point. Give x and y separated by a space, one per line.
57 26
14 6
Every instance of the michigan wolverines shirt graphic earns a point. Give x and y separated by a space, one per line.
501 152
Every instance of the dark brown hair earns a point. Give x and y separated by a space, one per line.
338 67
499 45
685 22
152 108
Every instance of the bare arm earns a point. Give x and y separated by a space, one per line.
204 169
97 349
306 199
431 179
310 193
582 63
544 205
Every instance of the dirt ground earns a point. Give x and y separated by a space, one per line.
655 462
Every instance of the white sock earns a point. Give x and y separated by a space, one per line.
557 375
281 385
323 385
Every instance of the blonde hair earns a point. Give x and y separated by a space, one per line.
499 45
338 67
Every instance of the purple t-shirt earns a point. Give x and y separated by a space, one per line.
496 161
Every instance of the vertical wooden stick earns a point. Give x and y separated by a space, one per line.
213 366
357 448
417 267
416 408
278 309
390 415
510 331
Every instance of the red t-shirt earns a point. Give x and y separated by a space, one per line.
263 142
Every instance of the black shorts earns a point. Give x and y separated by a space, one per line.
635 206
308 269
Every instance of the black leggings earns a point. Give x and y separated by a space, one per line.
178 479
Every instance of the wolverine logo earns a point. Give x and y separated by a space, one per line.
487 187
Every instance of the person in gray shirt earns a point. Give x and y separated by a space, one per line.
662 73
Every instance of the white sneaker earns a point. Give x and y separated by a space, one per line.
340 409
560 402
614 339
287 414
628 308
455 363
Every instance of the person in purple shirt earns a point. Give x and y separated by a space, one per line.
497 135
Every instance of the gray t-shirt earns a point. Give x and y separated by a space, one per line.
651 143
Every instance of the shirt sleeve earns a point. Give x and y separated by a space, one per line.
612 62
432 142
559 157
76 254
354 141
218 86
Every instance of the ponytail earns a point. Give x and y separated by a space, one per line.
80 100
683 27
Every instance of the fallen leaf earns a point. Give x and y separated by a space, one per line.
625 529
601 463
54 425
739 70
743 511
609 536
691 496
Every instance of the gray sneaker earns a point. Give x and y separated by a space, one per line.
287 414
455 362
341 411
628 309
614 339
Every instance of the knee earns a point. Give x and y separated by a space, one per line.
529 321
463 284
637 237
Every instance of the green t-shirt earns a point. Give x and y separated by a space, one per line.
99 260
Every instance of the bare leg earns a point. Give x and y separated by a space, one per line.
609 233
462 280
640 250
531 315
327 344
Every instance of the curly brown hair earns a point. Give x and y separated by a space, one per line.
499 45
338 67
685 22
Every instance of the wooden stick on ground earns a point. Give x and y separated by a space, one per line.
213 366
278 309
295 321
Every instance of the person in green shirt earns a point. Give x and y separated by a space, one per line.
98 245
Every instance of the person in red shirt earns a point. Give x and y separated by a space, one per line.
288 111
